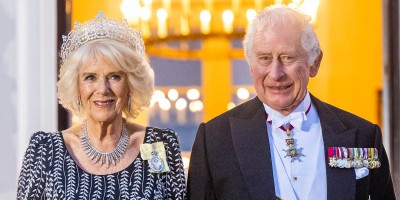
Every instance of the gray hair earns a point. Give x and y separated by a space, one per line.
280 14
137 69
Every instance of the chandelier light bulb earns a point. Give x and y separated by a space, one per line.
310 7
227 16
173 94
162 14
128 8
165 104
193 94
205 16
158 95
147 2
250 14
196 106
230 105
243 93
180 104
145 14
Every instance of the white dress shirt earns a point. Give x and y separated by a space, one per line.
305 179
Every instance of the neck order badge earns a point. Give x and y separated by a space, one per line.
292 152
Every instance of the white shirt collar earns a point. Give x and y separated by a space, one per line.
301 109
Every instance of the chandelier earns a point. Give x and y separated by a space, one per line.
207 30
182 20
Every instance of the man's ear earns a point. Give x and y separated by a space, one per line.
315 67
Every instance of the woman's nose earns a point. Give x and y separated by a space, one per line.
103 86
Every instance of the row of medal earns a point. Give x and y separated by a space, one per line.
343 157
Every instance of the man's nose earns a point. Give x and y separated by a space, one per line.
276 70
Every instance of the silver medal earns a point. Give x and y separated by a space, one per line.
155 162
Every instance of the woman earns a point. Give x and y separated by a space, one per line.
104 77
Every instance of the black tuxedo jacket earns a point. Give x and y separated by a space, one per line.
231 156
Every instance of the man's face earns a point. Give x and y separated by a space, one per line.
279 67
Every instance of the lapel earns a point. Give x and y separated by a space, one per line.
341 183
250 140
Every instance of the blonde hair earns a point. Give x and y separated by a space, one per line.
137 69
281 14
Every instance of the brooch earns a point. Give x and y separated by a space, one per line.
344 157
154 153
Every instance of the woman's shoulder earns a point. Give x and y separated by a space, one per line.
162 134
44 138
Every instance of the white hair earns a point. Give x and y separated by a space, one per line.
280 14
137 69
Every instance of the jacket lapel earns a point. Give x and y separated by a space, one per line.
250 140
341 182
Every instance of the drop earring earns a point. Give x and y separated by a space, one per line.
79 103
129 103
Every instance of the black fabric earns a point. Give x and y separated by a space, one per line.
49 172
231 157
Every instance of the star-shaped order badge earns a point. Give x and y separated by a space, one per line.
155 154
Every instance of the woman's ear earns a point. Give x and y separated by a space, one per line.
315 67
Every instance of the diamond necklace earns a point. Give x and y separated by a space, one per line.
108 157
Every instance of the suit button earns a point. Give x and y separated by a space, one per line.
294 178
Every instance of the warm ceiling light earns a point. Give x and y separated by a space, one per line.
205 18
250 14
180 104
193 94
243 93
310 7
230 105
165 104
173 94
128 8
196 106
227 18
145 14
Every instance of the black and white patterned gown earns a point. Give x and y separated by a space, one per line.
49 172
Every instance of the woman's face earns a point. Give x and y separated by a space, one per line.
104 90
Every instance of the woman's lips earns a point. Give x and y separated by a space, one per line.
103 103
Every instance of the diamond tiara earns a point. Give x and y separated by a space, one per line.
100 28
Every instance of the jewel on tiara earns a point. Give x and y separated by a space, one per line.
101 28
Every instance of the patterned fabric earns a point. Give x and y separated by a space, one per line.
49 172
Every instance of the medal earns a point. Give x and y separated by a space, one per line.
292 152
155 162
344 157
297 119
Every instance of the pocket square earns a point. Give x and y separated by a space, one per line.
361 172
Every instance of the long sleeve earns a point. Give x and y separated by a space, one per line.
200 185
33 175
381 183
175 183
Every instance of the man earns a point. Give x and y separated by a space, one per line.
285 143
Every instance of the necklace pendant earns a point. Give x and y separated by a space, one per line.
156 163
